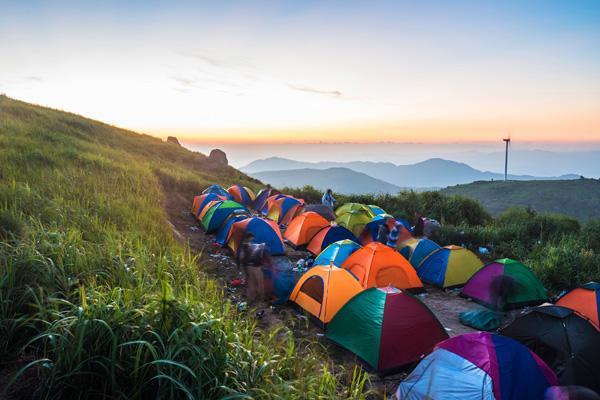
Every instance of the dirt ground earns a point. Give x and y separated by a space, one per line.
216 261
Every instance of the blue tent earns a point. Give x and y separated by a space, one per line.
337 252
216 189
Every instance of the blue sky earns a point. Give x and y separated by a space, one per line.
308 70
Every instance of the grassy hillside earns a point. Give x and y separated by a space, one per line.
579 198
96 297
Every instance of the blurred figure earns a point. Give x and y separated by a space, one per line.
417 230
328 199
255 259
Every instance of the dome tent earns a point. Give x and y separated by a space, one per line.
371 229
377 265
478 366
337 252
216 189
355 220
585 300
215 213
328 235
505 284
449 267
264 231
386 327
304 227
323 290
567 342
242 194
415 250
201 201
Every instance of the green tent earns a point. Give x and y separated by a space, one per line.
217 214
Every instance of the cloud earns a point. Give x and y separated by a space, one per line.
33 78
334 93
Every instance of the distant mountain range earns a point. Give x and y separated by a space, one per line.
429 174
340 180
579 198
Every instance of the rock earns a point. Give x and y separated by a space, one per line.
218 157
173 139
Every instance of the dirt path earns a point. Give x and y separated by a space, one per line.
218 263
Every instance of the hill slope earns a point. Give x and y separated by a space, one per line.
98 299
340 180
432 173
578 198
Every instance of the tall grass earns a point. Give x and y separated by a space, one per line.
96 298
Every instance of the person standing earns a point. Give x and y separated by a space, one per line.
328 199
255 258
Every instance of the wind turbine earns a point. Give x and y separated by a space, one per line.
507 141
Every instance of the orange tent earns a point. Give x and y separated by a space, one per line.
585 300
323 290
378 265
207 207
304 227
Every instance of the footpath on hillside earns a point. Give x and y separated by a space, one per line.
219 265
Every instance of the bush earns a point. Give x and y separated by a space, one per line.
566 264
10 226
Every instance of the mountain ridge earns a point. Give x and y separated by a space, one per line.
430 173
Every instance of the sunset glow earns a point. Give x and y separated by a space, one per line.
312 71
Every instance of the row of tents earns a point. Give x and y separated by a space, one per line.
362 292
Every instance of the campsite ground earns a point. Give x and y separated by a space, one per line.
216 261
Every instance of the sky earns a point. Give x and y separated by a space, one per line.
230 72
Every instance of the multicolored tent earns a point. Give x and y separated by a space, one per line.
216 213
377 265
304 227
585 300
354 220
216 189
448 267
386 327
371 229
346 208
478 366
328 235
242 194
323 290
200 201
567 342
415 250
282 209
505 284
264 231
337 252
260 202
223 231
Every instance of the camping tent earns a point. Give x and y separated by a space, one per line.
346 208
260 201
323 290
505 284
200 201
282 208
216 189
450 266
242 194
337 252
264 231
376 210
304 227
377 265
323 210
223 231
386 327
371 229
354 220
216 213
585 300
568 343
478 366
328 235
415 250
